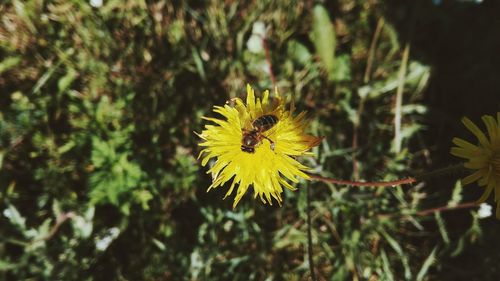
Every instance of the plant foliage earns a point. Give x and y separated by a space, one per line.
98 172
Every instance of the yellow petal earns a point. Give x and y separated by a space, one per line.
462 152
491 127
251 101
473 177
465 144
477 163
497 213
476 131
486 192
266 170
485 180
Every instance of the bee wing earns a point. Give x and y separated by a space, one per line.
269 133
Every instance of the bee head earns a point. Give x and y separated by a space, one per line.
248 149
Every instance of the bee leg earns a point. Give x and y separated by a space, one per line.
272 143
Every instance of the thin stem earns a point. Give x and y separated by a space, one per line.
309 234
399 99
371 52
269 61
355 134
440 172
447 208
430 211
409 180
59 221
360 183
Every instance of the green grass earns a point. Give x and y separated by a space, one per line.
97 116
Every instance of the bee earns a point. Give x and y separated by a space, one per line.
251 138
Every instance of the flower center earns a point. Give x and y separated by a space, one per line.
495 163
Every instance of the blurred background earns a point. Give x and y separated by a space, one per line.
99 100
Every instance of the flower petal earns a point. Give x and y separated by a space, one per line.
484 158
270 167
251 101
472 178
462 152
492 127
465 144
485 180
476 131
497 213
486 193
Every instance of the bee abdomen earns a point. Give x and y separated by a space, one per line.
265 122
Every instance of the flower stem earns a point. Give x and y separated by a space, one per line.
440 172
360 183
60 220
269 61
409 180
426 212
465 205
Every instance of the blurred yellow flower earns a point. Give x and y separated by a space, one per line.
484 157
256 145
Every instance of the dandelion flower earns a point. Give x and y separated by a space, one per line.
267 158
484 158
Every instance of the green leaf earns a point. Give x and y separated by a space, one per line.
15 217
9 63
342 70
23 11
43 230
199 63
427 264
6 266
399 250
56 208
66 80
143 197
299 52
456 196
324 39
160 245
66 147
102 152
386 266
442 227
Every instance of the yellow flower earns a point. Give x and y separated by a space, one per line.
484 157
268 159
